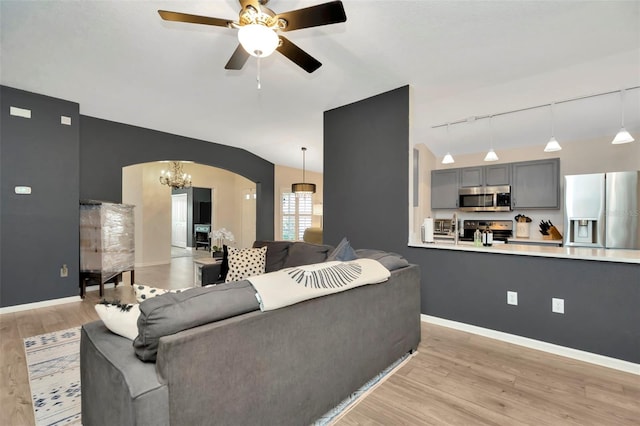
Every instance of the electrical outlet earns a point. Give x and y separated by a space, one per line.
557 305
64 271
512 297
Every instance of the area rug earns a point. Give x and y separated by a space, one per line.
53 362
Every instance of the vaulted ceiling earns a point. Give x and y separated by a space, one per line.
462 59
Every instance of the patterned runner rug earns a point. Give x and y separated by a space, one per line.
53 361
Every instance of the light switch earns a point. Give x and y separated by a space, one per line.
65 120
23 190
20 112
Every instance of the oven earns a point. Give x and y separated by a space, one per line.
502 229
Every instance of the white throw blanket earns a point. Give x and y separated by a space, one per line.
292 285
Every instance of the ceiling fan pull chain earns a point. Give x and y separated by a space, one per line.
258 76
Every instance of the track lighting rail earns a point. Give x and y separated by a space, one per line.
480 117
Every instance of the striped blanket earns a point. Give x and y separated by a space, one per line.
292 285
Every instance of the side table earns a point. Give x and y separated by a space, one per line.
198 263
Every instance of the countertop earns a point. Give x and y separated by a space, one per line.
582 253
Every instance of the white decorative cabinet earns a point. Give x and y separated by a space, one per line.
106 243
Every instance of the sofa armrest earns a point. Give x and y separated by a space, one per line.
211 274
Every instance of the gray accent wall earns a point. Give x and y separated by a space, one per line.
39 232
366 179
108 146
63 164
366 148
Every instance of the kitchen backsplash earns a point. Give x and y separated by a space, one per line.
555 216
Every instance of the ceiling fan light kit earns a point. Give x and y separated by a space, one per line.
258 40
259 27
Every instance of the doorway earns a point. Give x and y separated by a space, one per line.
179 220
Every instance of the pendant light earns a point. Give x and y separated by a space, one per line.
448 158
553 144
623 136
491 155
303 187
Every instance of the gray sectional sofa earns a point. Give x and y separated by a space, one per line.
287 366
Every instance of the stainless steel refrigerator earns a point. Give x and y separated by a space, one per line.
602 210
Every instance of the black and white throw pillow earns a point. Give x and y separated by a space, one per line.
244 263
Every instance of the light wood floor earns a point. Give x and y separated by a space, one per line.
456 378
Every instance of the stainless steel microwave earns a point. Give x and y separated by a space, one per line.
485 199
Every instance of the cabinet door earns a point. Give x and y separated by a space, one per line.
471 176
499 174
444 189
536 184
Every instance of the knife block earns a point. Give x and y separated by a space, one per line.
554 234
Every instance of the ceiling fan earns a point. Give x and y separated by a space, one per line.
259 27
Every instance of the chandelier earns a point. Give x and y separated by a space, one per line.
175 177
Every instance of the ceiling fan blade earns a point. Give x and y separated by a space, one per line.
238 59
298 56
193 19
322 14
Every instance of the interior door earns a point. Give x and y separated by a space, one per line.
179 220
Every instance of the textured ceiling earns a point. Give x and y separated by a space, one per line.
121 62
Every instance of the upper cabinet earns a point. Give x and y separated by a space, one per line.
536 184
471 176
498 174
444 189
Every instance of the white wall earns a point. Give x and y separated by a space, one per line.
141 187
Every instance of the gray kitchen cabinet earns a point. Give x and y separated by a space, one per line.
444 189
498 174
536 184
471 176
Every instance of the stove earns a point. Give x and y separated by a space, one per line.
502 229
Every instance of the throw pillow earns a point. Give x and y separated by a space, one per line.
244 263
121 319
277 252
144 292
224 266
343 252
389 260
301 253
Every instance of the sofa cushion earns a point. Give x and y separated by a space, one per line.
173 312
301 253
245 263
277 252
343 252
389 260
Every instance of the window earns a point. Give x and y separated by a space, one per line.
296 215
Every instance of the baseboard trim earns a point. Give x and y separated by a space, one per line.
143 265
605 361
36 305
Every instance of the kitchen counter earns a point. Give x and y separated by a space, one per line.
535 241
582 253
